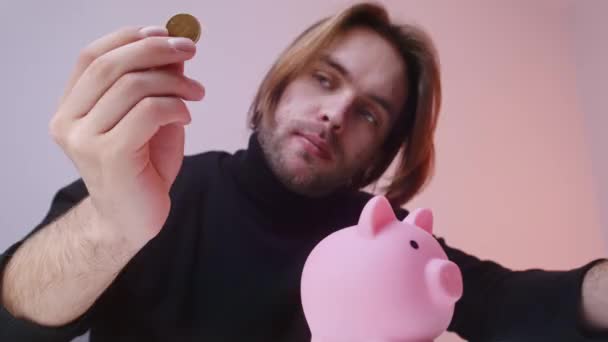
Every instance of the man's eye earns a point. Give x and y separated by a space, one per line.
323 80
369 116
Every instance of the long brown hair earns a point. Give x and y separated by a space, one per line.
413 134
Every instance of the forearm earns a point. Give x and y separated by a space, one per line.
595 297
59 272
502 304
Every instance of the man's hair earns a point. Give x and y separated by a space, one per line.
413 132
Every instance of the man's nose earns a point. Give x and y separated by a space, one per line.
335 113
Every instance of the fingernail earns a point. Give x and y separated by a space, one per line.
182 44
154 31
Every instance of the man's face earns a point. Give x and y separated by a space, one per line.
332 119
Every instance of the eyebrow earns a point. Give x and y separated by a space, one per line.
384 103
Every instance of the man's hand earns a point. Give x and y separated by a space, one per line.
121 123
595 298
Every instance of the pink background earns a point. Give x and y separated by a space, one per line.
521 159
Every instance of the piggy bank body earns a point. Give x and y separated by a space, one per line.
382 280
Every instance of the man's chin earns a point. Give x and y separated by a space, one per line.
297 167
299 171
298 175
304 180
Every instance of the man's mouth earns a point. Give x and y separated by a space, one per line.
315 145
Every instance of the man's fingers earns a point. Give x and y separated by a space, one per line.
132 88
177 68
145 119
108 43
167 151
107 69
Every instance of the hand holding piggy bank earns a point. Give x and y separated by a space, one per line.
382 280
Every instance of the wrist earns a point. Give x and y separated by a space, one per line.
105 238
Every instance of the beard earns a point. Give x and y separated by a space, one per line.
300 171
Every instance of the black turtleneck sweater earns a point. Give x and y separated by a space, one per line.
227 264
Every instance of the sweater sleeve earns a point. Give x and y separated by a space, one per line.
17 329
499 304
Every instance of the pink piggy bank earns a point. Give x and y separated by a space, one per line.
382 280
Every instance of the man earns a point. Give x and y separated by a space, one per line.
150 246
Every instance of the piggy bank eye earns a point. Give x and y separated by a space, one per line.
414 244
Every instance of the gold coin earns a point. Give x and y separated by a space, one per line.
184 25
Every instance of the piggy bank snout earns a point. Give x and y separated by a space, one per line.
445 281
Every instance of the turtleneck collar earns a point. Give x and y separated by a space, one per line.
258 182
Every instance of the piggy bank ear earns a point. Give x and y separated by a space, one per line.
376 214
421 217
